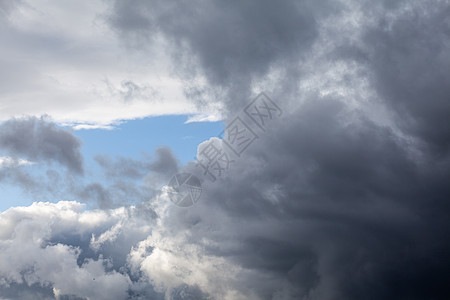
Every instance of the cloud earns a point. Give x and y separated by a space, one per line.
227 45
31 255
203 118
61 250
89 126
7 161
154 170
68 63
410 67
327 209
346 191
37 139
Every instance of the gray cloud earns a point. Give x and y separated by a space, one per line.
36 139
164 164
408 57
132 181
17 176
234 42
345 199
330 211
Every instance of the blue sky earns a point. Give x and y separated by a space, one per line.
130 139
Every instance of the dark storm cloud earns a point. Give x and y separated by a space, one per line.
331 204
36 139
410 61
234 42
230 38
331 211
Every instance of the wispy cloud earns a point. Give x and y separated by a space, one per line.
6 161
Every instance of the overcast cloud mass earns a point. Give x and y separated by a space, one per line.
345 196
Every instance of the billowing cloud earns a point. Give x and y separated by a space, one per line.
346 191
330 210
33 255
59 250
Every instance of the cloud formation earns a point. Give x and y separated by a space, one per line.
36 139
33 255
348 190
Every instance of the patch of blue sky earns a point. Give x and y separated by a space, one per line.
135 137
130 139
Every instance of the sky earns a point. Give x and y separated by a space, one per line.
224 149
